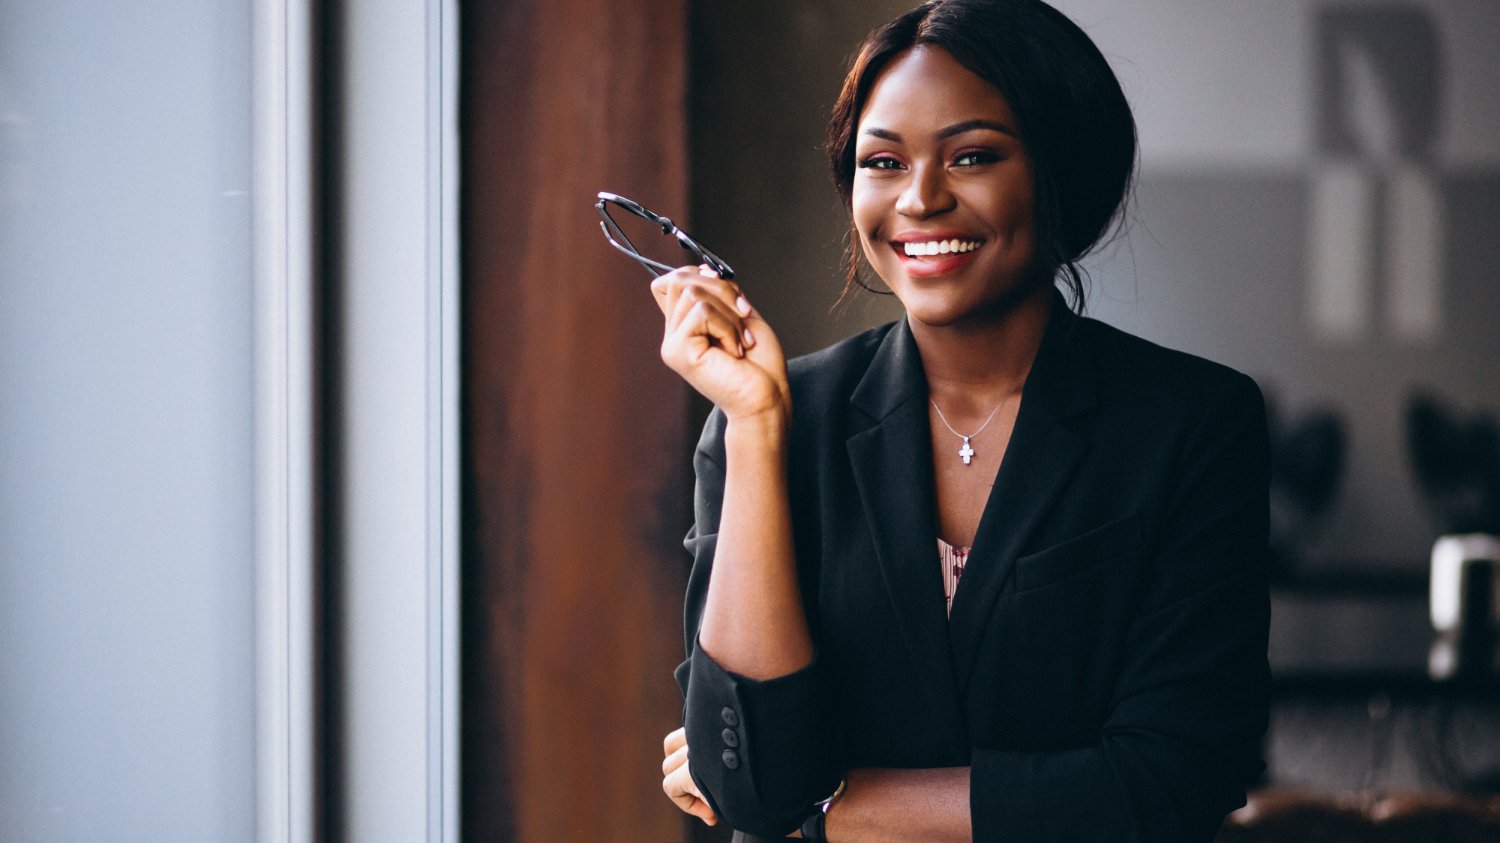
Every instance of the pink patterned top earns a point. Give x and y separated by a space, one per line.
953 560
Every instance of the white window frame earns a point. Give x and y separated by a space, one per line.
395 485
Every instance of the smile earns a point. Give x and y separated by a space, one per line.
935 258
929 248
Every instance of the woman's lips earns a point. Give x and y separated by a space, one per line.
960 252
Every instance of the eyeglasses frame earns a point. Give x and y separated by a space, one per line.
612 230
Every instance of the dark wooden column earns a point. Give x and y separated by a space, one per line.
576 473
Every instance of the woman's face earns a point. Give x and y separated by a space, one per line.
943 195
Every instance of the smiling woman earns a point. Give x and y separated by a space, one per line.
1055 630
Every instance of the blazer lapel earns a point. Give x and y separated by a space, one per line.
1040 457
892 463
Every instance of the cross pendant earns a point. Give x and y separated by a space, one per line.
966 452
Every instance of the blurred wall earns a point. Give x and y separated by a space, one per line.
1317 206
126 577
577 457
764 76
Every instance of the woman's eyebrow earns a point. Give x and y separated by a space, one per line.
971 125
947 131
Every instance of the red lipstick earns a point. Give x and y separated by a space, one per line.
927 266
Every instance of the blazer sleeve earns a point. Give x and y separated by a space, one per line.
761 751
1182 738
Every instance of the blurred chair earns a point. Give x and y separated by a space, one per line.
1307 463
1457 464
1286 816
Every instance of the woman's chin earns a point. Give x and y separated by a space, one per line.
949 311
955 318
937 316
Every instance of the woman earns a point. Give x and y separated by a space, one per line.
994 571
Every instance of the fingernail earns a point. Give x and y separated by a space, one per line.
749 338
742 306
707 271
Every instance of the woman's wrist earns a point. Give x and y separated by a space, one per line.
814 827
757 430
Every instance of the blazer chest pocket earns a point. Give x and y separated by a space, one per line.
1121 537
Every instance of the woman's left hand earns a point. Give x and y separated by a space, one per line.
678 783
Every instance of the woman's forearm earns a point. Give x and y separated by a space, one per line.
754 622
896 806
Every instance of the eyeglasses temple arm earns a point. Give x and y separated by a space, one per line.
650 265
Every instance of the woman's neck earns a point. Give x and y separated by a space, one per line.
973 366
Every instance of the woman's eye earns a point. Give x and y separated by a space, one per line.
974 158
879 163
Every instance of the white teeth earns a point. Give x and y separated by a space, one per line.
939 247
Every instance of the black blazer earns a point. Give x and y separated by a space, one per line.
1104 668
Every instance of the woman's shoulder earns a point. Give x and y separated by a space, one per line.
1143 370
837 369
1127 370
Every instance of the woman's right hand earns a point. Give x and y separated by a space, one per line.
719 344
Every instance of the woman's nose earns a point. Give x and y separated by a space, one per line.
926 193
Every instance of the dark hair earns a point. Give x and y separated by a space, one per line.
1072 115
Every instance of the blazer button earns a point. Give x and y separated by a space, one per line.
731 759
731 716
730 738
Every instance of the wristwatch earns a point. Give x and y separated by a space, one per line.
813 826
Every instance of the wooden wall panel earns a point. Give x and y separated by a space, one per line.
577 454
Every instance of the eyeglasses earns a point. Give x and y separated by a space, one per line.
617 238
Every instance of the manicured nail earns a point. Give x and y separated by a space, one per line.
749 338
742 306
707 271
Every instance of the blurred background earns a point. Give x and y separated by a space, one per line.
342 490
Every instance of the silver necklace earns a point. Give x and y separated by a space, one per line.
967 451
